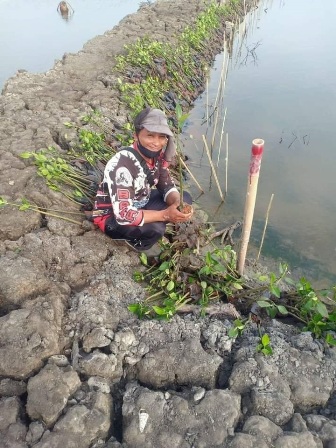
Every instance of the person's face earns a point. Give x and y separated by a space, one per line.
153 141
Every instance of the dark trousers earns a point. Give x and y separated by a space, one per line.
143 237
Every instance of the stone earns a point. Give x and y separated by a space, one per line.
9 412
297 440
176 421
19 281
100 364
35 432
26 340
98 337
241 440
49 391
10 388
271 404
81 425
169 366
262 427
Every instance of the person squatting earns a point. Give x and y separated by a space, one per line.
126 207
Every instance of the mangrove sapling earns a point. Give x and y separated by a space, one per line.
180 283
264 345
265 227
25 206
181 119
57 171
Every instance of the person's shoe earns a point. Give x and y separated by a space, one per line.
136 247
153 251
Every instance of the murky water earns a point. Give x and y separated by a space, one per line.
33 33
280 87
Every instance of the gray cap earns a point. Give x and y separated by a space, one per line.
156 121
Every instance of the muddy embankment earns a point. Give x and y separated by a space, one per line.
76 368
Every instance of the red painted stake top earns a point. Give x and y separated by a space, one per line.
257 147
256 156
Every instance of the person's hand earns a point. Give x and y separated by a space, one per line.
172 214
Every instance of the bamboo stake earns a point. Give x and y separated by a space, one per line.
252 186
226 163
191 174
221 138
213 168
207 100
223 78
265 226
214 129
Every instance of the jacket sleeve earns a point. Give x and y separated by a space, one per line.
165 183
123 174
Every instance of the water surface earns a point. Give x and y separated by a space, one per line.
283 92
33 34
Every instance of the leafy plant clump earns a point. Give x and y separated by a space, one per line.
155 73
183 280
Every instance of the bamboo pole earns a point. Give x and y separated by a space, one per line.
213 168
221 137
191 174
252 186
226 163
265 227
207 100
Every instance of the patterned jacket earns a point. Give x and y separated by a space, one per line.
125 189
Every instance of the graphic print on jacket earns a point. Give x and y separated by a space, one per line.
129 188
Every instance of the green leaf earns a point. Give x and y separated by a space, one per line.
25 155
134 307
330 339
138 276
275 291
265 340
272 312
290 281
160 311
282 309
263 278
267 351
171 285
322 309
281 269
163 266
3 201
264 303
173 296
143 259
233 333
239 324
237 285
178 110
24 207
208 258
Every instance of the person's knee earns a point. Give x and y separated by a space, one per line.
158 229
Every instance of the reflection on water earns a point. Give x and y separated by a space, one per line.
34 33
279 87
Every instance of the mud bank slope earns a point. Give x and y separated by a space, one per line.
77 370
